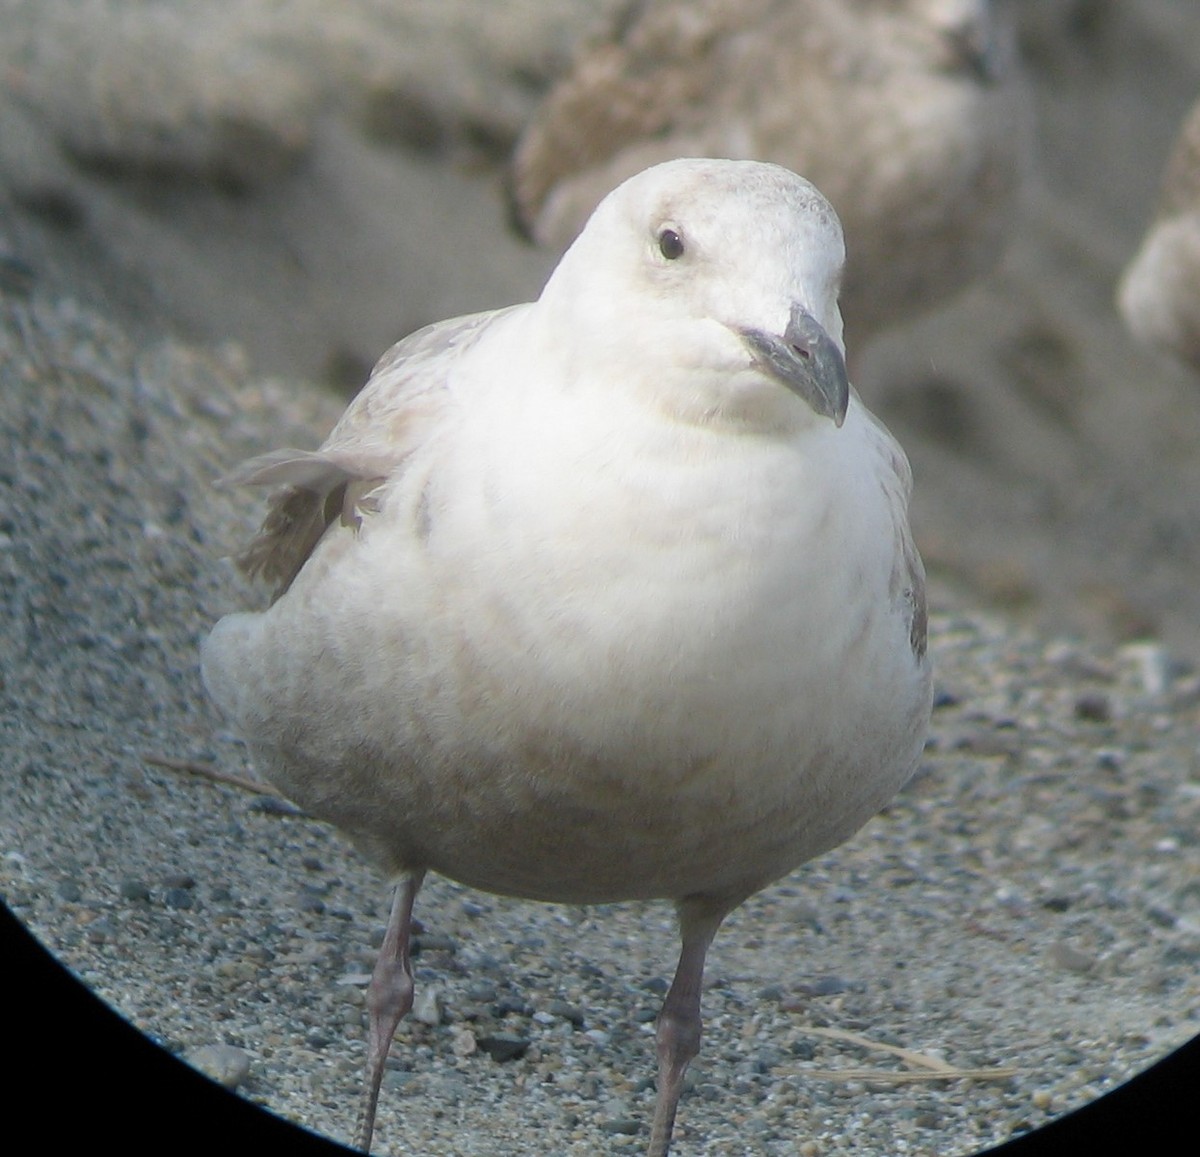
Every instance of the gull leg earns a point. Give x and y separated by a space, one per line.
389 997
679 1020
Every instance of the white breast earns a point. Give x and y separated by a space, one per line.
525 678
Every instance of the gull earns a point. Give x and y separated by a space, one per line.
1159 293
910 115
603 597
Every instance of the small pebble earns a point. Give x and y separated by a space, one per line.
1094 707
180 898
131 889
624 1126
427 1008
1071 959
566 1011
503 1047
1153 664
225 1064
827 986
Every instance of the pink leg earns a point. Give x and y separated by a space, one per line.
389 997
679 1020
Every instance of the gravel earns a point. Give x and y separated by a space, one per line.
1027 909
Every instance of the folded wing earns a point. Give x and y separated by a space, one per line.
406 394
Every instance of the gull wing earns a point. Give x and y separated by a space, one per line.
907 586
403 400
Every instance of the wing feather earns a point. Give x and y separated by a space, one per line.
403 400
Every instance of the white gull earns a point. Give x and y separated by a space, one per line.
603 597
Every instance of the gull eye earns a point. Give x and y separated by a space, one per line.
670 244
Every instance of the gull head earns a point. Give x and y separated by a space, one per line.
713 283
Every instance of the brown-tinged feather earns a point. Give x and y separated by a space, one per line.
296 519
371 442
663 59
919 626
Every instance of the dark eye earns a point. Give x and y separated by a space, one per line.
670 244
